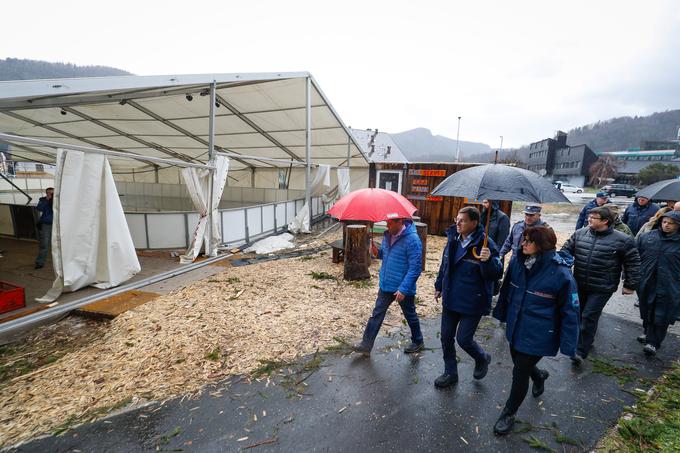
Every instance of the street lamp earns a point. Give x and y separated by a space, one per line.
458 141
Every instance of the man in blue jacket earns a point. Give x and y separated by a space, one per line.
639 213
401 255
465 283
601 198
44 227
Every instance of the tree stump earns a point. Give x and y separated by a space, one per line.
421 228
357 258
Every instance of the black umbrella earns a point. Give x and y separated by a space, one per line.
499 182
666 190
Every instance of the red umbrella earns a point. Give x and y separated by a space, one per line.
373 205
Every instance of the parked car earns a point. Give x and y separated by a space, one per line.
619 189
565 187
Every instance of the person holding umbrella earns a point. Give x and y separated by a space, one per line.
401 255
659 289
539 302
465 283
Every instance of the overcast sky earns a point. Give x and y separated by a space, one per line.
521 69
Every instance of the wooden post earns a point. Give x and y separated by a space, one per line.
357 255
421 228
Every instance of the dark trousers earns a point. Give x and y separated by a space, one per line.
461 328
592 305
382 303
655 332
44 241
524 368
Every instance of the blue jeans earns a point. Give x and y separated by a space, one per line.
382 303
44 241
461 328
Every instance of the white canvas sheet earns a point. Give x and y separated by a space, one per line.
198 185
91 242
319 185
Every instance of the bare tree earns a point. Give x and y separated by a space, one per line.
604 169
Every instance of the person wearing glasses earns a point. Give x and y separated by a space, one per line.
539 302
532 217
465 283
600 255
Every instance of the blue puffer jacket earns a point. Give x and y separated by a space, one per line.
45 207
467 284
636 215
540 305
402 262
583 216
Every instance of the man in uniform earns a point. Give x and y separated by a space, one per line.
532 217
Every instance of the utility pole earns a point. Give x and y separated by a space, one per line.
458 141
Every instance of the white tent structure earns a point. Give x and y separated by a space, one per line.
151 127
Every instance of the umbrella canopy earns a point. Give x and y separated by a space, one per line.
666 190
499 182
373 205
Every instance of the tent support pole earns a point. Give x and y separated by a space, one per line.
308 148
211 155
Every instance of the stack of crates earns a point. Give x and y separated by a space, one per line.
12 297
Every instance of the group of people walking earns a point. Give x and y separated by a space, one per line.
545 307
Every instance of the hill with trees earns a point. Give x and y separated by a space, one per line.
19 69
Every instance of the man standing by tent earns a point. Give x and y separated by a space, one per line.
659 289
600 199
401 255
600 254
44 227
639 213
532 217
465 283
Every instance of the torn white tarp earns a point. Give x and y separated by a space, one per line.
319 185
91 242
272 244
198 185
344 183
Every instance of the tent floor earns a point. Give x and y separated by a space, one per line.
16 267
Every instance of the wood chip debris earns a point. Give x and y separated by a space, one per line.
224 325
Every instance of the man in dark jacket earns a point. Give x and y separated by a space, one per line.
600 199
600 254
499 224
401 255
639 213
532 217
465 283
659 289
44 227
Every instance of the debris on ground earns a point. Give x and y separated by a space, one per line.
272 244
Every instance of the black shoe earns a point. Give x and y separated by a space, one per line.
504 424
445 380
649 350
414 347
482 367
361 349
38 266
539 386
642 338
577 360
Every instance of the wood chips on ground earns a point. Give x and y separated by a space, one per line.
221 326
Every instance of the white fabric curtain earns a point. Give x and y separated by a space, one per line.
91 242
319 185
343 182
198 184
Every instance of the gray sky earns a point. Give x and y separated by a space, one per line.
521 69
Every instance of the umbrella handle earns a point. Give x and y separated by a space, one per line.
486 232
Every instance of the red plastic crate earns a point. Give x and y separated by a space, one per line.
12 297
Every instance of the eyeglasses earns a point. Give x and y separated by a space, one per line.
527 241
594 217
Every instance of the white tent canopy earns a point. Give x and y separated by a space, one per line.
258 116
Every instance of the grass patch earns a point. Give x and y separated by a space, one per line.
359 284
232 280
655 422
267 367
322 276
624 373
537 444
307 258
213 355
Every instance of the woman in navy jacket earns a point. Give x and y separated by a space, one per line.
539 303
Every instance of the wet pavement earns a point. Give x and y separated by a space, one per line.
346 402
